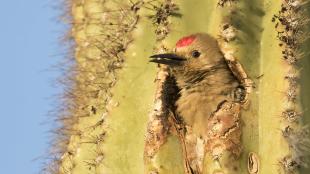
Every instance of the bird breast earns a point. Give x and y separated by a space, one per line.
198 101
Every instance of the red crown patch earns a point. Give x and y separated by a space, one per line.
185 41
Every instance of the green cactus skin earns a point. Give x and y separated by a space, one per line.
111 86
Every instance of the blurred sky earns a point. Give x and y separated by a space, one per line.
29 47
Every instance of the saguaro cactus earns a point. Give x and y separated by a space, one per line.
117 102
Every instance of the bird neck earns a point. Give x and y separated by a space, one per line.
218 75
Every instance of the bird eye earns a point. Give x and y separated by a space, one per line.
195 53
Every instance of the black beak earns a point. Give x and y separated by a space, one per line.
167 59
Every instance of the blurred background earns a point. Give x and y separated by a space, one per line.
30 48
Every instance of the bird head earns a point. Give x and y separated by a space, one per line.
195 52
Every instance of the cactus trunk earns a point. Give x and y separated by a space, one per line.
115 101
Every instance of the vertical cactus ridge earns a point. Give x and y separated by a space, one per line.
237 26
271 95
179 27
102 32
291 24
110 96
134 92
